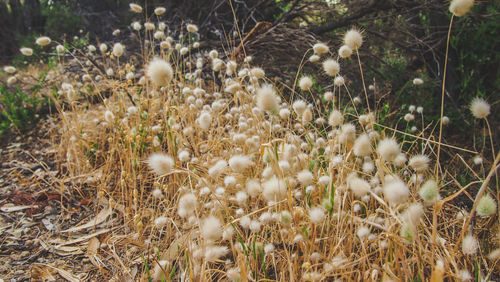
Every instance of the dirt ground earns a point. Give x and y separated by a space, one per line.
36 208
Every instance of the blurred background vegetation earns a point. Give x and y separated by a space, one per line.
404 39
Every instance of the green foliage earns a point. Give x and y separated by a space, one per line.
17 109
284 7
80 42
28 41
393 68
474 41
60 18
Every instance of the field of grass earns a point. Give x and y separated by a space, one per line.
196 166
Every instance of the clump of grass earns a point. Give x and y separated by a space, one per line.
217 175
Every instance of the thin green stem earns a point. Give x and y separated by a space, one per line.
363 80
442 97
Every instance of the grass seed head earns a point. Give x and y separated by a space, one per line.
274 189
396 192
118 49
358 186
266 98
135 8
160 163
362 146
460 7
479 108
345 51
43 41
26 51
160 72
353 39
211 228
429 192
187 205
305 83
419 162
469 245
331 67
388 149
486 206
320 49
191 28
160 11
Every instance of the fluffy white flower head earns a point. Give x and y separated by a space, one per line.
469 245
461 7
160 11
299 107
149 26
486 206
418 81
429 192
362 146
388 149
135 8
305 83
353 39
266 98
160 221
191 28
358 186
305 177
26 51
339 81
160 72
136 26
211 228
336 118
103 47
345 51
479 108
187 205
11 80
274 189
160 163
331 67
320 49
183 156
9 69
314 58
109 116
43 41
205 120
118 49
213 253
258 72
419 162
317 215
396 192
240 163
60 49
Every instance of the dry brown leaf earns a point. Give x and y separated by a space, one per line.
16 208
40 272
169 255
61 250
66 275
92 248
67 250
44 272
100 218
84 238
